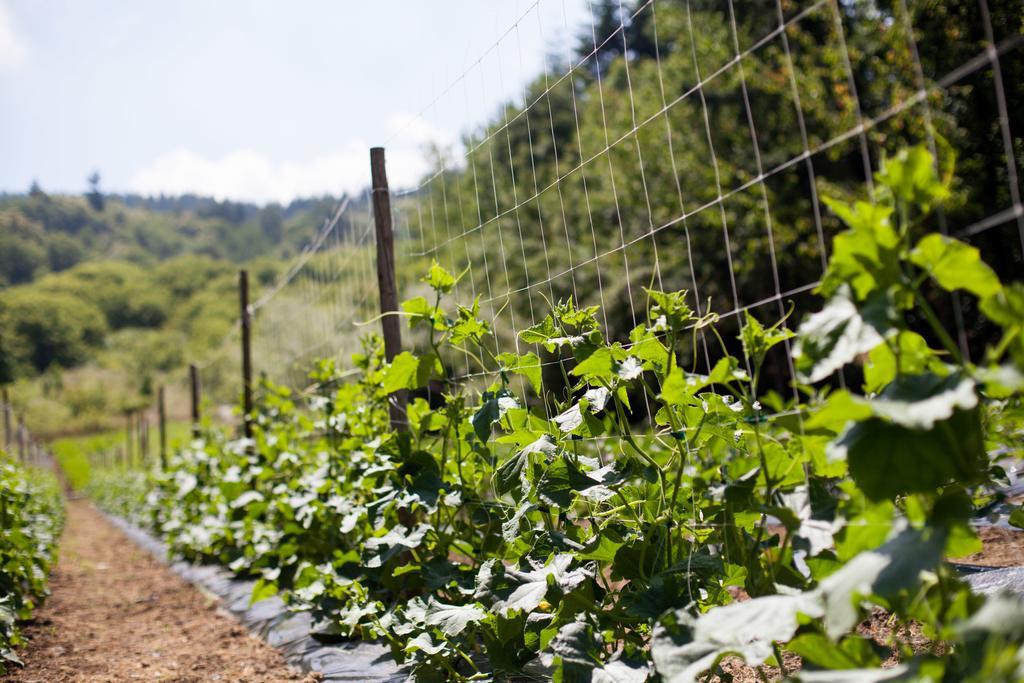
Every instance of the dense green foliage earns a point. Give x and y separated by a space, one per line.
525 528
31 517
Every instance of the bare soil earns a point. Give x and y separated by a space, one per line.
1000 548
117 614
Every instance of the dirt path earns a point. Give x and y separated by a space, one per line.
116 614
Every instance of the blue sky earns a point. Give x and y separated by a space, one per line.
253 99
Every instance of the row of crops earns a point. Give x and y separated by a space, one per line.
510 536
31 518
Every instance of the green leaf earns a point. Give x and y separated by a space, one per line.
601 548
919 401
646 346
955 265
618 671
1002 613
757 340
750 629
439 279
1017 517
840 409
595 364
914 358
494 406
866 257
532 586
576 653
468 325
554 487
911 176
402 373
833 337
421 311
900 672
262 590
409 372
515 472
381 549
819 650
452 619
528 365
887 459
671 307
584 319
1006 309
747 629
540 333
886 571
865 531
510 528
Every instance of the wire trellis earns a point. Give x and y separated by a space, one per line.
687 146
678 144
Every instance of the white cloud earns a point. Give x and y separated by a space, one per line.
12 50
247 175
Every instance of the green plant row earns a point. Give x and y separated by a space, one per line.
31 519
515 531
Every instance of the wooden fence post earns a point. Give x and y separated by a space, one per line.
129 450
161 408
21 438
143 430
8 436
386 277
243 303
193 378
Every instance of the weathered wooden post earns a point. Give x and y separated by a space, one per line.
193 378
129 450
8 436
140 428
243 303
22 437
161 409
386 277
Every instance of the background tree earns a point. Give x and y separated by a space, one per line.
94 195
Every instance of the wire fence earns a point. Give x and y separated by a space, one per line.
19 443
678 144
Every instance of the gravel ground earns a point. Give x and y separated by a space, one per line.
116 614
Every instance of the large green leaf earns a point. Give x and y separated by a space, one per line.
528 365
383 548
955 265
746 629
914 358
919 401
865 258
493 408
452 619
912 178
595 364
887 459
532 586
409 372
816 648
834 336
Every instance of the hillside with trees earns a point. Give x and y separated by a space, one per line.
102 295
